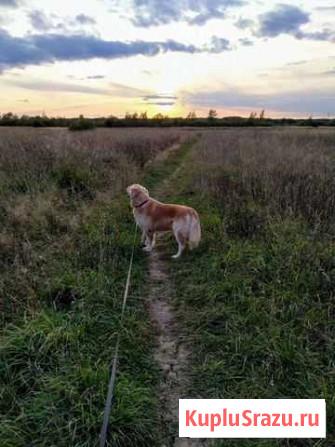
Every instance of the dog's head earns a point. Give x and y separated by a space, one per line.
138 194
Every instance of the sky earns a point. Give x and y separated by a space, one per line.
110 57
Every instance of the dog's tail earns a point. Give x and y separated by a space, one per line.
194 234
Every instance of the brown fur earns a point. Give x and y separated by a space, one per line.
153 216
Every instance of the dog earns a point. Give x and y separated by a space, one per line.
153 216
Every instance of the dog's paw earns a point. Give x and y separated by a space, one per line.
147 249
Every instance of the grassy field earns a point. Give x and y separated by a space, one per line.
256 298
258 301
65 238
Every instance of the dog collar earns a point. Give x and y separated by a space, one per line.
143 203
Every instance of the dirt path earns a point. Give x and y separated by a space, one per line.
172 353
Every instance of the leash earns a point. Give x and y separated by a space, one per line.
110 394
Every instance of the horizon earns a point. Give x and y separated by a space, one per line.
110 57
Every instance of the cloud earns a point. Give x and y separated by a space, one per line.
325 8
83 19
287 19
219 45
326 35
40 21
161 99
83 78
246 42
9 3
48 86
126 90
284 19
194 12
162 103
112 89
161 96
38 49
293 64
242 23
318 101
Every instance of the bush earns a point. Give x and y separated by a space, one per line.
82 124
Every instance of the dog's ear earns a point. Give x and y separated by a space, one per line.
145 190
129 189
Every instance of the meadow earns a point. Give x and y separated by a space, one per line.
65 238
255 300
258 303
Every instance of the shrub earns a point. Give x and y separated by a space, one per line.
82 124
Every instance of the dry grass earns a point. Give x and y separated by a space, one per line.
65 239
283 172
258 301
51 181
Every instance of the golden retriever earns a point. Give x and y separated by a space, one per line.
152 216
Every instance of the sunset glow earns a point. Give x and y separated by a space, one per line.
109 57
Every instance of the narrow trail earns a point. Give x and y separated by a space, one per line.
172 352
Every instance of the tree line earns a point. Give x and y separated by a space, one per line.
160 120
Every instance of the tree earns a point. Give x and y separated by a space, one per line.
253 116
191 116
262 115
212 114
160 117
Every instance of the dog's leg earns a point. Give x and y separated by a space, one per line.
150 241
144 238
181 239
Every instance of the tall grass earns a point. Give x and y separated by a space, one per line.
258 301
65 239
284 172
50 182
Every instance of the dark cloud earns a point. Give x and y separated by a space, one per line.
284 19
317 102
195 12
83 19
95 77
246 42
18 52
47 48
287 19
9 3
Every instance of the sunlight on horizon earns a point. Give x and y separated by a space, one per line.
62 59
